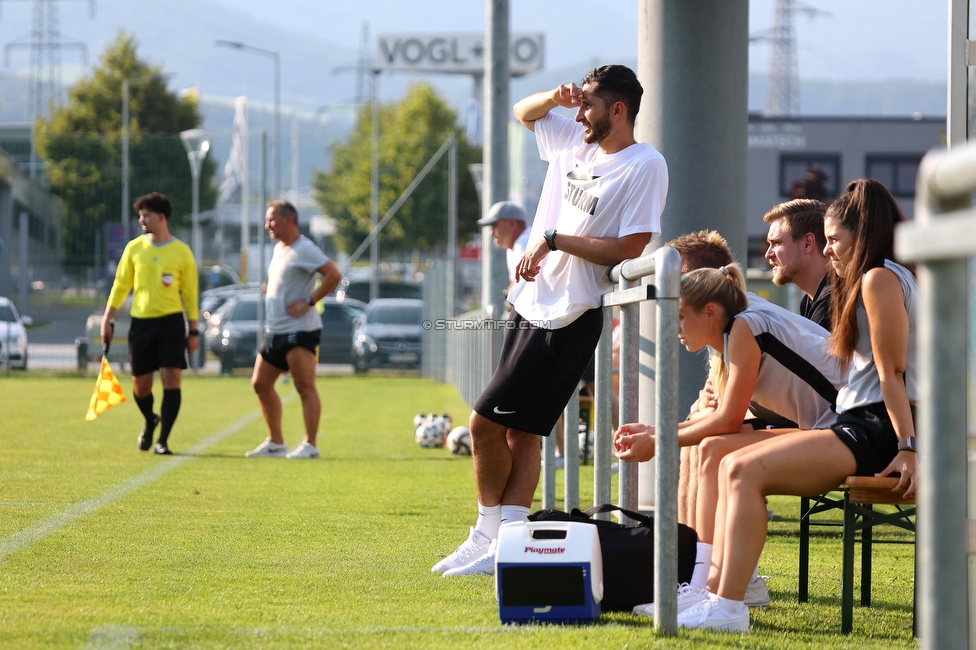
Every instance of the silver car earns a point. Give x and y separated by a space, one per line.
13 335
389 335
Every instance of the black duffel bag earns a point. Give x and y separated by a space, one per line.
628 554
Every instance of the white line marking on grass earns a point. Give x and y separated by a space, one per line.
112 637
26 537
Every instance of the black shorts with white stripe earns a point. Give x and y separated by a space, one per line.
538 371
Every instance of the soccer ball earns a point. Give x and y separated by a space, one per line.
459 441
429 435
445 422
419 419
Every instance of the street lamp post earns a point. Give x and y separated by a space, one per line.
197 144
125 159
276 124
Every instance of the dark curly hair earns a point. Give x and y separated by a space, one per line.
616 83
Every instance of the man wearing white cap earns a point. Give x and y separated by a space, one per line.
508 230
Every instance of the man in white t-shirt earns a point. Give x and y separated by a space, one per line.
601 204
294 328
508 230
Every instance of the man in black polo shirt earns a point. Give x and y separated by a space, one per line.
796 243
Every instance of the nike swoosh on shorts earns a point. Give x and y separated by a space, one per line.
503 412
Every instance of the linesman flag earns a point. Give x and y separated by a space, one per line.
108 392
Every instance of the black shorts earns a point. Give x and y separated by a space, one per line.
868 433
156 343
276 346
538 372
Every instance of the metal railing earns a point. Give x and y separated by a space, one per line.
664 267
941 239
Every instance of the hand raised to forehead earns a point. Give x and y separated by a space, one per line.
567 95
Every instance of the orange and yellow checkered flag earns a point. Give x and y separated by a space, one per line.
108 392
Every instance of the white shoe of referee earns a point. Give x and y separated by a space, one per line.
475 546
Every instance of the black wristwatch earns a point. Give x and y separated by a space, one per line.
194 332
907 444
550 236
311 302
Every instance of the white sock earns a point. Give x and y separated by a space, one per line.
513 513
755 574
703 564
731 607
489 519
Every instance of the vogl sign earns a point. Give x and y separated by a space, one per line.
462 53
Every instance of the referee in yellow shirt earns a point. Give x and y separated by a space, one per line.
162 274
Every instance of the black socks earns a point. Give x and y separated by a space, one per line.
145 405
172 398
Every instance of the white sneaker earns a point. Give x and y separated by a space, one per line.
268 448
757 594
709 615
688 597
304 450
483 566
473 547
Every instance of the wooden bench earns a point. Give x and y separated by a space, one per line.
859 496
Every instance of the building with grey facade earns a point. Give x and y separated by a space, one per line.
783 150
30 233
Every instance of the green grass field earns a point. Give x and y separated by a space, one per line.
103 546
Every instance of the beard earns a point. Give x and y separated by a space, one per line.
783 275
599 131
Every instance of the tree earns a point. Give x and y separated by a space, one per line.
81 145
411 131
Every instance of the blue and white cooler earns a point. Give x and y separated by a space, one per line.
548 571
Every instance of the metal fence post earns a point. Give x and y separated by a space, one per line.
945 183
629 343
603 423
571 417
668 283
549 469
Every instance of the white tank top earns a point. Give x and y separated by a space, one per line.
863 384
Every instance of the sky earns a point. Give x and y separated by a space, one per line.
847 40
850 40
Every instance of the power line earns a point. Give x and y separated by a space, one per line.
783 84
45 43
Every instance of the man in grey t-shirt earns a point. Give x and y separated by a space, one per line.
294 328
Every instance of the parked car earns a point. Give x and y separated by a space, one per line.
232 332
339 319
359 289
13 335
212 299
119 350
389 334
